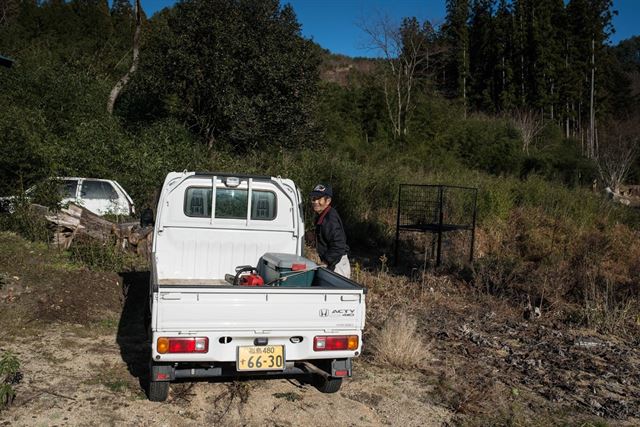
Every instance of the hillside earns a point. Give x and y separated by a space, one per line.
340 69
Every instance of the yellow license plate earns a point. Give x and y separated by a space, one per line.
260 358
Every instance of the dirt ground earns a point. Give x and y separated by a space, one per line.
85 381
80 339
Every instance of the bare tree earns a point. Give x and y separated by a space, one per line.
406 52
115 92
617 151
529 124
593 136
8 9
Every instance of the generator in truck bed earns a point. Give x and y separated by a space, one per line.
231 293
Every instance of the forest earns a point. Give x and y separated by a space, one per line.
508 88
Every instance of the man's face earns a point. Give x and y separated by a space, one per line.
319 204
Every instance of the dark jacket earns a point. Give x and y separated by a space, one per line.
331 240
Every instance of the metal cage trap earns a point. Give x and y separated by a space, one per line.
441 210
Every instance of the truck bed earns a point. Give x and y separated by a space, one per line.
324 278
216 305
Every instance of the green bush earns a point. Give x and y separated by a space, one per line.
26 221
104 256
9 376
488 145
25 156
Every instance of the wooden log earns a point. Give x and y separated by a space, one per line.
94 226
75 220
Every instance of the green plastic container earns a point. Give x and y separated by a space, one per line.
296 271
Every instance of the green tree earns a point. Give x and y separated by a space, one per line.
482 58
547 23
503 75
628 54
590 26
233 71
456 35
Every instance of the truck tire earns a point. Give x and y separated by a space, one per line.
158 391
328 385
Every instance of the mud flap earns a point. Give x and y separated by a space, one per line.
341 365
162 372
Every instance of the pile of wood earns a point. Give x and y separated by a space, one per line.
133 238
76 221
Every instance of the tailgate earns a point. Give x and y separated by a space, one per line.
197 309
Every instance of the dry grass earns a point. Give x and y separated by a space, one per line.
399 344
585 274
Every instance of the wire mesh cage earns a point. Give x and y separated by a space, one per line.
445 217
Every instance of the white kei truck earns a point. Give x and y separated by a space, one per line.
231 294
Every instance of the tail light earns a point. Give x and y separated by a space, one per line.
335 342
182 345
298 267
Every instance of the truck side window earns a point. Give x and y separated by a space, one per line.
231 203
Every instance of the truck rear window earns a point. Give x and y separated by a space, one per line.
231 203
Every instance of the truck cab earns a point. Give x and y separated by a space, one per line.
210 228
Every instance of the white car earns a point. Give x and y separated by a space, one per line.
100 196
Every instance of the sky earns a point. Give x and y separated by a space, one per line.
336 24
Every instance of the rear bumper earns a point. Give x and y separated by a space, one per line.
177 371
223 345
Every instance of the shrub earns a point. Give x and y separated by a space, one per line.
585 272
398 344
103 256
9 376
487 145
26 221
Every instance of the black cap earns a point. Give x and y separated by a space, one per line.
321 190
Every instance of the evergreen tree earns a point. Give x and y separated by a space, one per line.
503 76
628 54
546 55
590 26
456 35
482 54
521 19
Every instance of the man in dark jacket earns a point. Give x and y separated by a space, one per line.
331 240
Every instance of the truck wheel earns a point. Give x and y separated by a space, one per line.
328 385
158 391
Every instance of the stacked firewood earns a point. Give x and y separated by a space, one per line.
133 238
76 221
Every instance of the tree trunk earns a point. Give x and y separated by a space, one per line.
115 92
592 116
464 80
